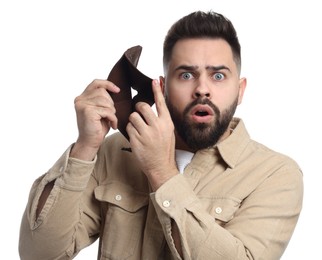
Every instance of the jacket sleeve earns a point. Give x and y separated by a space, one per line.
69 220
260 228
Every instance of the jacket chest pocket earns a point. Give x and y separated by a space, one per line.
222 209
125 212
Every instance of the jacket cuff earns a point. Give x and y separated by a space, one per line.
173 197
71 174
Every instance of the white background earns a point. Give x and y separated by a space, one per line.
51 50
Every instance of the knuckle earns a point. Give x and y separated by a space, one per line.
77 101
132 117
142 106
95 81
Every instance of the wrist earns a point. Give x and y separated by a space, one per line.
156 180
82 152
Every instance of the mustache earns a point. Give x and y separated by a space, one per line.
202 101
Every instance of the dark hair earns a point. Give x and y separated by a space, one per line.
202 25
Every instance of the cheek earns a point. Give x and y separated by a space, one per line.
178 99
224 99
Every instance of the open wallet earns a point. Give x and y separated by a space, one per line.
126 76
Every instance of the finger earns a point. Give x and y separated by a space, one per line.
95 98
108 116
101 97
131 131
105 84
137 122
146 112
159 99
112 120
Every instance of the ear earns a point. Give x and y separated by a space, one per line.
242 87
162 84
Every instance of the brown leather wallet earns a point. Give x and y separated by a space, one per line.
126 76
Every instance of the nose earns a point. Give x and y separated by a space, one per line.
202 90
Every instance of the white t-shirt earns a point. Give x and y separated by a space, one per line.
183 158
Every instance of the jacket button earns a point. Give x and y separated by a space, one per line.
118 197
166 203
218 210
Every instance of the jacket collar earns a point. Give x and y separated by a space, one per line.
234 145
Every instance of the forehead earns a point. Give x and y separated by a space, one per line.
202 53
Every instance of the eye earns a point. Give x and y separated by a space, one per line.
219 76
186 75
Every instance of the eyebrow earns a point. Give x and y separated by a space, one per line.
194 68
216 68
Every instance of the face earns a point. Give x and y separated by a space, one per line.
202 89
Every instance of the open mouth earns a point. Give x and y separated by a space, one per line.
202 113
202 110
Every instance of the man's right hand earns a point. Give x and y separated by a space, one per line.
95 116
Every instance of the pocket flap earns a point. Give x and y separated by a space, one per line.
121 195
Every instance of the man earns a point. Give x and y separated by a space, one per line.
192 186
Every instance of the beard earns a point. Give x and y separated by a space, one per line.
199 136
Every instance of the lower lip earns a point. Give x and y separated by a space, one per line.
202 119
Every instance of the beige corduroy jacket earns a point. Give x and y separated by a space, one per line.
236 200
